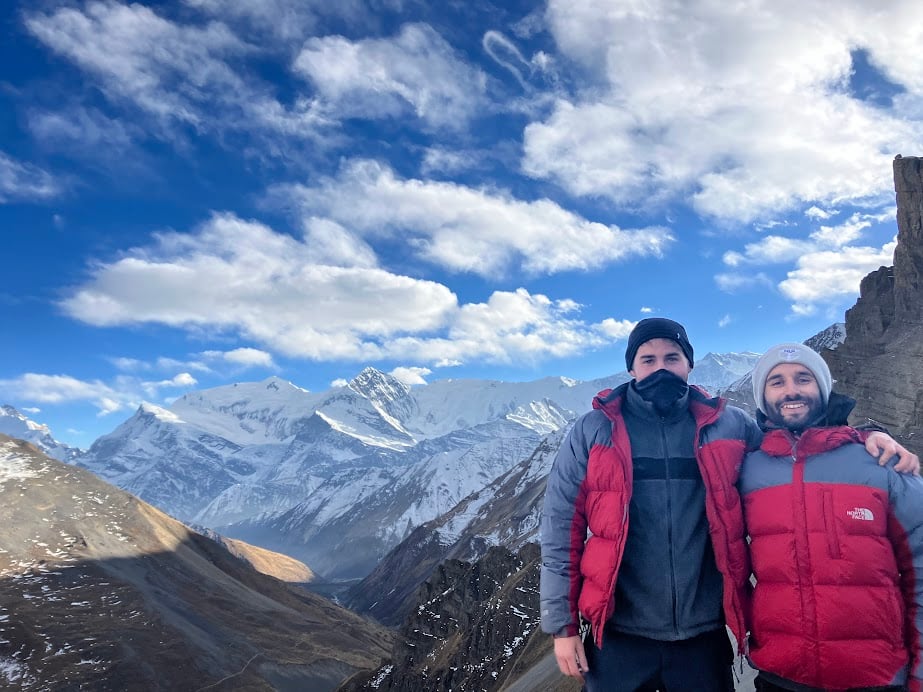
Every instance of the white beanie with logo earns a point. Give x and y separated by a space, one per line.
790 353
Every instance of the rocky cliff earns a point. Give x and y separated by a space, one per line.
475 628
880 363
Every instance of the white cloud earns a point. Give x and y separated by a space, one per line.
182 380
815 213
161 364
732 281
242 278
288 20
327 242
86 132
444 160
129 364
510 327
725 321
772 249
180 75
124 392
843 234
58 389
32 409
25 181
743 110
249 357
616 329
469 230
826 276
827 267
415 72
646 310
339 382
506 54
411 375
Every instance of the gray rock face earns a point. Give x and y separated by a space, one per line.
475 628
908 256
880 363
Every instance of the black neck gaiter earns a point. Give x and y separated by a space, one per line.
662 389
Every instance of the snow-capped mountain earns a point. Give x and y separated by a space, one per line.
15 424
504 513
830 338
337 478
717 371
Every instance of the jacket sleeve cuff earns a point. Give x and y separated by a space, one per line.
566 631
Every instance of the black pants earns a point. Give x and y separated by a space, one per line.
628 663
763 685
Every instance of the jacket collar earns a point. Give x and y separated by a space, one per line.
704 408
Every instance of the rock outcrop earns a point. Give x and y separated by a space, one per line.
880 363
476 627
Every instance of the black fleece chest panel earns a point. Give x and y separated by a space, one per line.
653 469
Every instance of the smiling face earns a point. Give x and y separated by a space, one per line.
660 354
792 396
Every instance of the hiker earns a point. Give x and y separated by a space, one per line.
837 541
650 476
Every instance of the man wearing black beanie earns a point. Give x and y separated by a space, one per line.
642 531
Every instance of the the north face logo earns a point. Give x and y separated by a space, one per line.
861 513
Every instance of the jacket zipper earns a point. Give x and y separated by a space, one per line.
802 550
666 465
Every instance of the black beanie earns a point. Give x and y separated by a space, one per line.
656 328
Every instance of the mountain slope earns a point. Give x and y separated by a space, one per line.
504 513
101 591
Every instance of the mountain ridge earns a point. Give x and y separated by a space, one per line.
304 472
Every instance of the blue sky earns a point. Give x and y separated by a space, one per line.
201 192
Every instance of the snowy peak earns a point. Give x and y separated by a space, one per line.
277 384
263 412
7 411
828 339
717 371
378 387
15 424
148 410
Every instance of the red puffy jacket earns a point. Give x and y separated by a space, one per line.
837 550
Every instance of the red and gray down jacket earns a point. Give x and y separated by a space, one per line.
837 550
589 490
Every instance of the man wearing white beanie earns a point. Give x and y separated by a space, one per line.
836 541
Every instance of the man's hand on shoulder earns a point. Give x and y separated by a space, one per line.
883 447
570 656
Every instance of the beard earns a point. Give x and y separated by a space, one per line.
799 419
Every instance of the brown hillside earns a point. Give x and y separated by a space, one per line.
101 591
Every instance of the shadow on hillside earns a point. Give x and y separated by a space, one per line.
191 618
